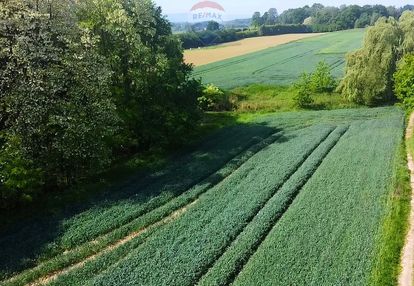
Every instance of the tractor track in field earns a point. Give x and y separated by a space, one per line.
244 59
242 261
276 219
174 216
407 257
256 146
263 205
284 61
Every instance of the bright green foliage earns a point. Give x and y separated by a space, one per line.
282 65
214 99
303 97
318 81
262 98
407 26
368 79
404 81
321 79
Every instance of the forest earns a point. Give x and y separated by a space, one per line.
85 83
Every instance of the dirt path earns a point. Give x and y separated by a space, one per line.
205 56
407 259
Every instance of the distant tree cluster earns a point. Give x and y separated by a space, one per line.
268 18
325 19
82 82
383 67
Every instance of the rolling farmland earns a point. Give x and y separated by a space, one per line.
282 64
295 197
203 56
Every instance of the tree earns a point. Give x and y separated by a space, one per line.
151 85
272 16
363 21
213 26
57 116
369 71
404 81
257 20
407 27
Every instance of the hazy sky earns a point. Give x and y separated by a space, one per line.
247 7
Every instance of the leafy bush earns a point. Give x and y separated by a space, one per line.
19 179
404 81
322 79
215 99
303 97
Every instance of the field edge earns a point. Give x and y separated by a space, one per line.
393 230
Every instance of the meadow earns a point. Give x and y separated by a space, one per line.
283 64
298 197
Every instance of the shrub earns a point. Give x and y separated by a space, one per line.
215 99
322 79
19 179
303 97
404 81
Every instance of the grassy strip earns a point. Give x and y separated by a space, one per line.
395 226
328 235
272 98
231 262
91 248
180 252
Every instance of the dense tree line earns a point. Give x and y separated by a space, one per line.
327 19
382 68
209 37
268 18
83 82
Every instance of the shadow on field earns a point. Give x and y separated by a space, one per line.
22 243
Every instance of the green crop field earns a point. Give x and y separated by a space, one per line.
298 197
283 64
